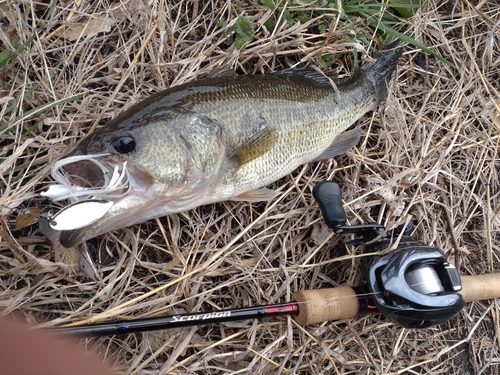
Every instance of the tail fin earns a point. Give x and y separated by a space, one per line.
379 73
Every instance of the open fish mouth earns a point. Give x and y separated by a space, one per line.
98 187
84 177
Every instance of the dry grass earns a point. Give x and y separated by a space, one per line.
431 153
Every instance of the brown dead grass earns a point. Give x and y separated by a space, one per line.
431 153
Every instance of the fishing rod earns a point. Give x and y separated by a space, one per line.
413 285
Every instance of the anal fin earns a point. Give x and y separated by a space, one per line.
258 195
342 143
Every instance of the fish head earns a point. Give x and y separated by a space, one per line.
151 155
147 171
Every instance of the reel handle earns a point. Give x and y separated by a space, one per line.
329 197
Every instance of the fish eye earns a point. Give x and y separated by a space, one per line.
124 145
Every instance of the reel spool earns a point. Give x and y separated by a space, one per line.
413 285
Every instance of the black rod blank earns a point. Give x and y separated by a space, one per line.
177 321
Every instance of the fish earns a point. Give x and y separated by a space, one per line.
224 137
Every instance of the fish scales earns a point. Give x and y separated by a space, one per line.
306 125
224 138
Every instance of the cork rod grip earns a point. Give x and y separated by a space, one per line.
322 305
317 306
479 287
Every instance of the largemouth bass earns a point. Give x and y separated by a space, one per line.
216 139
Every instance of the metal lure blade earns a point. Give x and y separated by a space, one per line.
80 214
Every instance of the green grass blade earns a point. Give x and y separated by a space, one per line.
374 22
52 7
413 42
41 108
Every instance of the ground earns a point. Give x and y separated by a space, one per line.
428 155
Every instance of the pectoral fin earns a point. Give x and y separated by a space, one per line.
258 145
342 143
257 195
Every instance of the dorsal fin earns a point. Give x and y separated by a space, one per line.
310 75
222 71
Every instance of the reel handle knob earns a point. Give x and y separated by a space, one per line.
329 197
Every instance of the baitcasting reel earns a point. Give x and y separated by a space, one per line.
413 285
